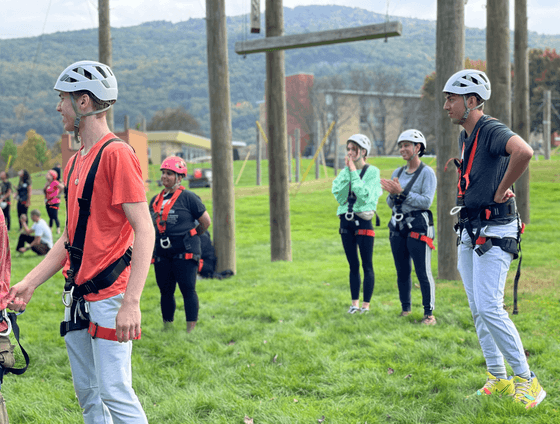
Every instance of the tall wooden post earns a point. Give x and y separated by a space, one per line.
498 65
259 145
297 151
521 122
280 236
546 125
290 147
223 206
106 47
126 122
450 39
317 144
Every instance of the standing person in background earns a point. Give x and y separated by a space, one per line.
357 189
5 199
52 198
412 189
492 159
106 258
23 194
179 217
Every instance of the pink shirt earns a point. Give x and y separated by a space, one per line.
51 193
5 266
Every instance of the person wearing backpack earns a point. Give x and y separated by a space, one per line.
105 250
411 229
357 189
179 218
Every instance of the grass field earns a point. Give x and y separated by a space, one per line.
274 343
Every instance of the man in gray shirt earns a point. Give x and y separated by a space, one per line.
39 236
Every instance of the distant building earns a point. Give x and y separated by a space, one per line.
190 147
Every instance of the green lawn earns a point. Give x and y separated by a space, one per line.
274 343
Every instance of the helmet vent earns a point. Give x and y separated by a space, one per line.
67 78
101 71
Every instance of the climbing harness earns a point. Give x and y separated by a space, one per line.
73 294
352 196
401 197
11 320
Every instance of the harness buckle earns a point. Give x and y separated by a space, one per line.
8 321
455 210
349 216
67 297
165 243
399 217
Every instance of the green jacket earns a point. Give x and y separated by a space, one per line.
367 190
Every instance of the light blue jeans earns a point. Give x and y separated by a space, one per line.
101 370
484 278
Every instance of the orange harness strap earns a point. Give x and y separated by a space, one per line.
161 219
370 233
425 239
95 331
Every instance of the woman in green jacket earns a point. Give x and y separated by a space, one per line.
357 189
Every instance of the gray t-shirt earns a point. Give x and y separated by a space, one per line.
490 161
421 193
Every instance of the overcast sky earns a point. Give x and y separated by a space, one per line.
30 18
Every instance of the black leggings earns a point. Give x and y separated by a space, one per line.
52 211
21 210
405 250
169 272
351 243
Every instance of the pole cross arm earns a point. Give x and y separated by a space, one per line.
311 39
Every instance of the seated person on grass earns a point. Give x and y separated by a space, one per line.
41 241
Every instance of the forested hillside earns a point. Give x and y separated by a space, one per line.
160 65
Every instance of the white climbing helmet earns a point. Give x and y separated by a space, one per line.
88 75
414 136
469 81
362 141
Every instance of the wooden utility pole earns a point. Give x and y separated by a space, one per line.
290 147
297 152
280 235
521 122
259 146
106 47
450 47
223 200
498 64
317 144
546 125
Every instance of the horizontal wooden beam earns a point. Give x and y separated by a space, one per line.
321 38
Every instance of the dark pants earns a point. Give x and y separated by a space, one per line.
21 210
7 218
41 248
52 211
405 250
351 243
169 272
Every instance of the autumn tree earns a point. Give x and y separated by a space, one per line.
544 74
9 149
33 154
177 119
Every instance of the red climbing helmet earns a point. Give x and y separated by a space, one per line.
175 164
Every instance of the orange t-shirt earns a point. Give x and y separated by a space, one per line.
109 234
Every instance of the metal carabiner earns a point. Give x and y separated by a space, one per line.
165 243
349 216
8 321
455 210
399 217
65 293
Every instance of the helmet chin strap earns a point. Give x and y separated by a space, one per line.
467 110
80 115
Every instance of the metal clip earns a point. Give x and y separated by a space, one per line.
67 297
399 217
455 210
8 321
165 243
